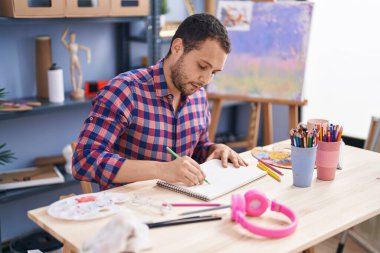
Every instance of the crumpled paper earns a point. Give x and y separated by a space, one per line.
124 233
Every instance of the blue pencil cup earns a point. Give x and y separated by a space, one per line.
303 162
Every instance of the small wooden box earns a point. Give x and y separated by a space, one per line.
32 9
87 8
127 8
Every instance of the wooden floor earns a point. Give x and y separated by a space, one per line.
330 246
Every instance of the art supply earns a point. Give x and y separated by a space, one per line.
328 151
224 180
87 206
331 133
302 138
183 221
172 152
177 156
270 173
56 86
271 167
150 205
279 157
327 159
303 160
313 123
206 210
190 204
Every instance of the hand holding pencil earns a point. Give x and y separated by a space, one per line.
183 169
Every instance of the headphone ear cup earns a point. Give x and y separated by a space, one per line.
237 206
256 203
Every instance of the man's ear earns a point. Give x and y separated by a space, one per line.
177 46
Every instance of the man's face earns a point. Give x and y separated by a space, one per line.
196 68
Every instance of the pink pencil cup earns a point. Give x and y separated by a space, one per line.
327 159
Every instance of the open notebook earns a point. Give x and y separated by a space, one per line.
222 180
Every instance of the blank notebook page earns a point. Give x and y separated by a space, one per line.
222 180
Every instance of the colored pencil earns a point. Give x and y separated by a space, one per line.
177 156
271 167
270 172
191 204
206 210
182 219
154 225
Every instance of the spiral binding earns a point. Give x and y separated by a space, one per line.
179 189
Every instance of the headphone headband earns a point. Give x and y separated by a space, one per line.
255 204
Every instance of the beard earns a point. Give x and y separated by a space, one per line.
179 77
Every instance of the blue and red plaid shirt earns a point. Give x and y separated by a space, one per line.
133 118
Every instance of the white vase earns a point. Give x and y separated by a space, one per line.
162 20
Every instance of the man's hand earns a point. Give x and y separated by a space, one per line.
184 170
225 153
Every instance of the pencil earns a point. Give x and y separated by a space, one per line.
172 152
271 167
191 204
154 225
183 219
206 210
270 173
177 156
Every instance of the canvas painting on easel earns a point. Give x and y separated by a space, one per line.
269 45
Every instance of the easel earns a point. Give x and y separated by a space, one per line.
257 103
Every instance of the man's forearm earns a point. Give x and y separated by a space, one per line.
138 170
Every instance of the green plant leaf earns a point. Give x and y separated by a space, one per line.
164 7
2 92
6 156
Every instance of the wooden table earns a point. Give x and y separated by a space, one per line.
324 209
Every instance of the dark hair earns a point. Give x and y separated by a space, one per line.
198 28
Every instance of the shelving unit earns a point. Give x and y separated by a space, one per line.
11 195
123 41
45 107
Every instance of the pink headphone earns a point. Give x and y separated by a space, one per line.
254 204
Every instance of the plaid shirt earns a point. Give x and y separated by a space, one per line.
133 118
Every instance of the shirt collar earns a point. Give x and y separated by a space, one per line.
159 81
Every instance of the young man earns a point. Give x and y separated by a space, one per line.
141 112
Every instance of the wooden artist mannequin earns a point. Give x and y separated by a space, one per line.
73 47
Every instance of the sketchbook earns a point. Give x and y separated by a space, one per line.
222 180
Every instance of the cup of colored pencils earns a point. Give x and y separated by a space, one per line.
328 151
304 149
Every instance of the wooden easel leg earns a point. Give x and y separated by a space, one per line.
210 6
215 115
268 124
372 127
293 116
254 124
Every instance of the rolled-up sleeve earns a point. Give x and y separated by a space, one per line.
111 114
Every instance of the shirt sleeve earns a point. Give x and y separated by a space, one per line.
204 143
112 112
